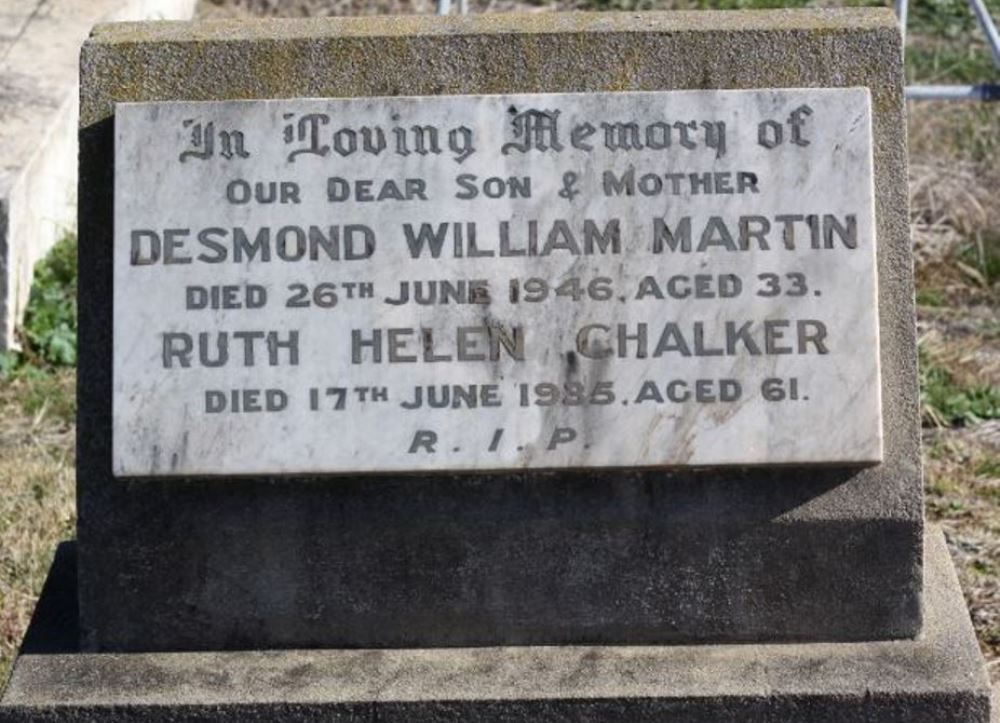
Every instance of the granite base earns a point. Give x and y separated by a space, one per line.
937 678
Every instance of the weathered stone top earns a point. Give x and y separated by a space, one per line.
216 53
823 20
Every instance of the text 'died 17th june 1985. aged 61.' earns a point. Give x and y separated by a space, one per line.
495 282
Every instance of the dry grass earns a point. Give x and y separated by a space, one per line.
966 344
37 507
962 470
955 199
950 201
955 212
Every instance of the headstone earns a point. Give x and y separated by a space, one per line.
556 340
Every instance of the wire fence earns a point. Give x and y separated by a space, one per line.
980 92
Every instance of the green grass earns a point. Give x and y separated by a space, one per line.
991 635
931 297
44 393
981 258
984 568
48 336
951 19
937 63
50 319
947 46
990 468
946 403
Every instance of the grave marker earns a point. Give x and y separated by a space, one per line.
482 581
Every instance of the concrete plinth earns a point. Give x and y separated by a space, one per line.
939 677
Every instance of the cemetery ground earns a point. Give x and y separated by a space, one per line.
954 185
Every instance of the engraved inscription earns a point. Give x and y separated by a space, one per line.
669 278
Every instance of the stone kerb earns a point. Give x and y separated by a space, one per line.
39 48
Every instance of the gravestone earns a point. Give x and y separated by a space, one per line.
499 368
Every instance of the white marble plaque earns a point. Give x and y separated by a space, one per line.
495 282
